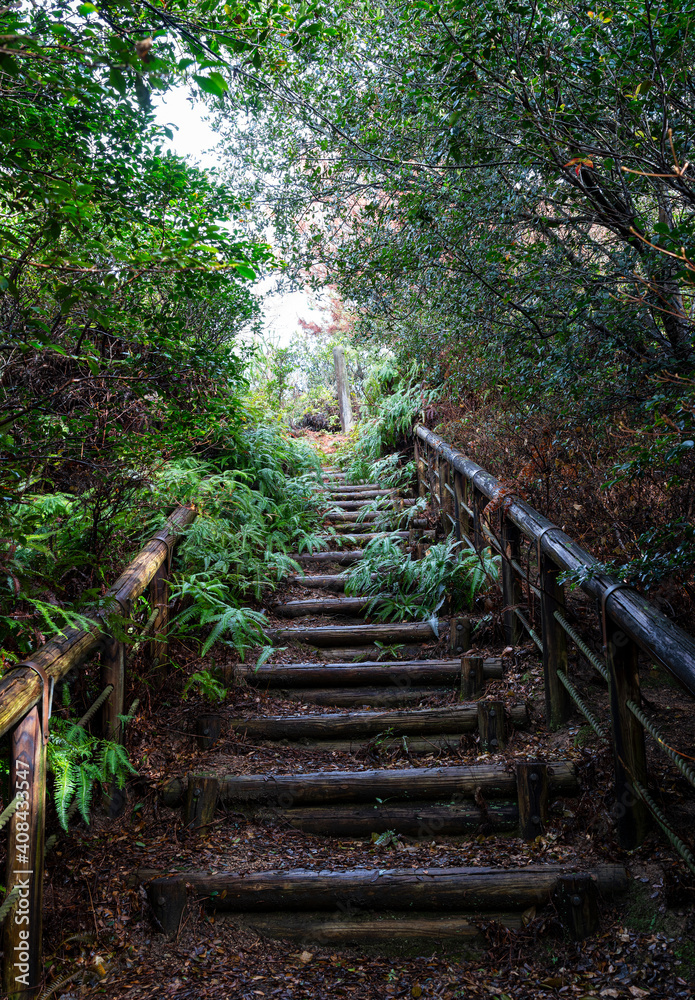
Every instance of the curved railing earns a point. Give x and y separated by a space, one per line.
481 512
26 691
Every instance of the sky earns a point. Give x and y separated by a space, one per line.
195 139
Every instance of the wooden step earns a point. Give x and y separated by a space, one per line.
359 494
449 720
356 487
353 635
404 673
450 890
363 538
347 525
378 697
327 606
367 654
333 787
342 558
423 822
425 933
331 581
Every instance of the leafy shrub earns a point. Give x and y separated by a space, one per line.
405 588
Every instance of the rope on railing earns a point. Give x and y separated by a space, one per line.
10 810
686 770
529 629
593 659
668 830
9 902
586 712
91 712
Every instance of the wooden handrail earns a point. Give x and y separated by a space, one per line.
628 621
646 625
21 687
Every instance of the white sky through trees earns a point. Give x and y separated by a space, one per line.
195 139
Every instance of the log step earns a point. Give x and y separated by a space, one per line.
332 787
383 697
366 654
328 557
363 537
355 487
332 581
423 822
359 494
386 933
457 890
404 673
450 720
353 635
327 606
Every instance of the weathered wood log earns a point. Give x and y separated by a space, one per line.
419 526
113 673
576 900
512 592
640 620
359 494
341 378
325 606
412 783
533 782
404 673
421 821
451 719
459 634
167 897
472 677
352 487
208 729
158 647
379 697
362 537
22 938
201 800
354 505
20 688
558 705
350 517
353 635
631 815
454 889
342 930
342 558
334 581
365 654
491 725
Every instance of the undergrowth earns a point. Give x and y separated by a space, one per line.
404 588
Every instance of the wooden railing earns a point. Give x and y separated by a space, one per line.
26 692
473 505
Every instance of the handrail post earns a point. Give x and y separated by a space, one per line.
557 700
113 672
460 484
630 812
159 599
22 937
477 504
512 592
445 505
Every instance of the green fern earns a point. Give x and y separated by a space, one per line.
79 761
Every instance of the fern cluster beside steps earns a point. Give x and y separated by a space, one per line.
79 761
403 588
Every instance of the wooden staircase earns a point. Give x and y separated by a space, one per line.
343 699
